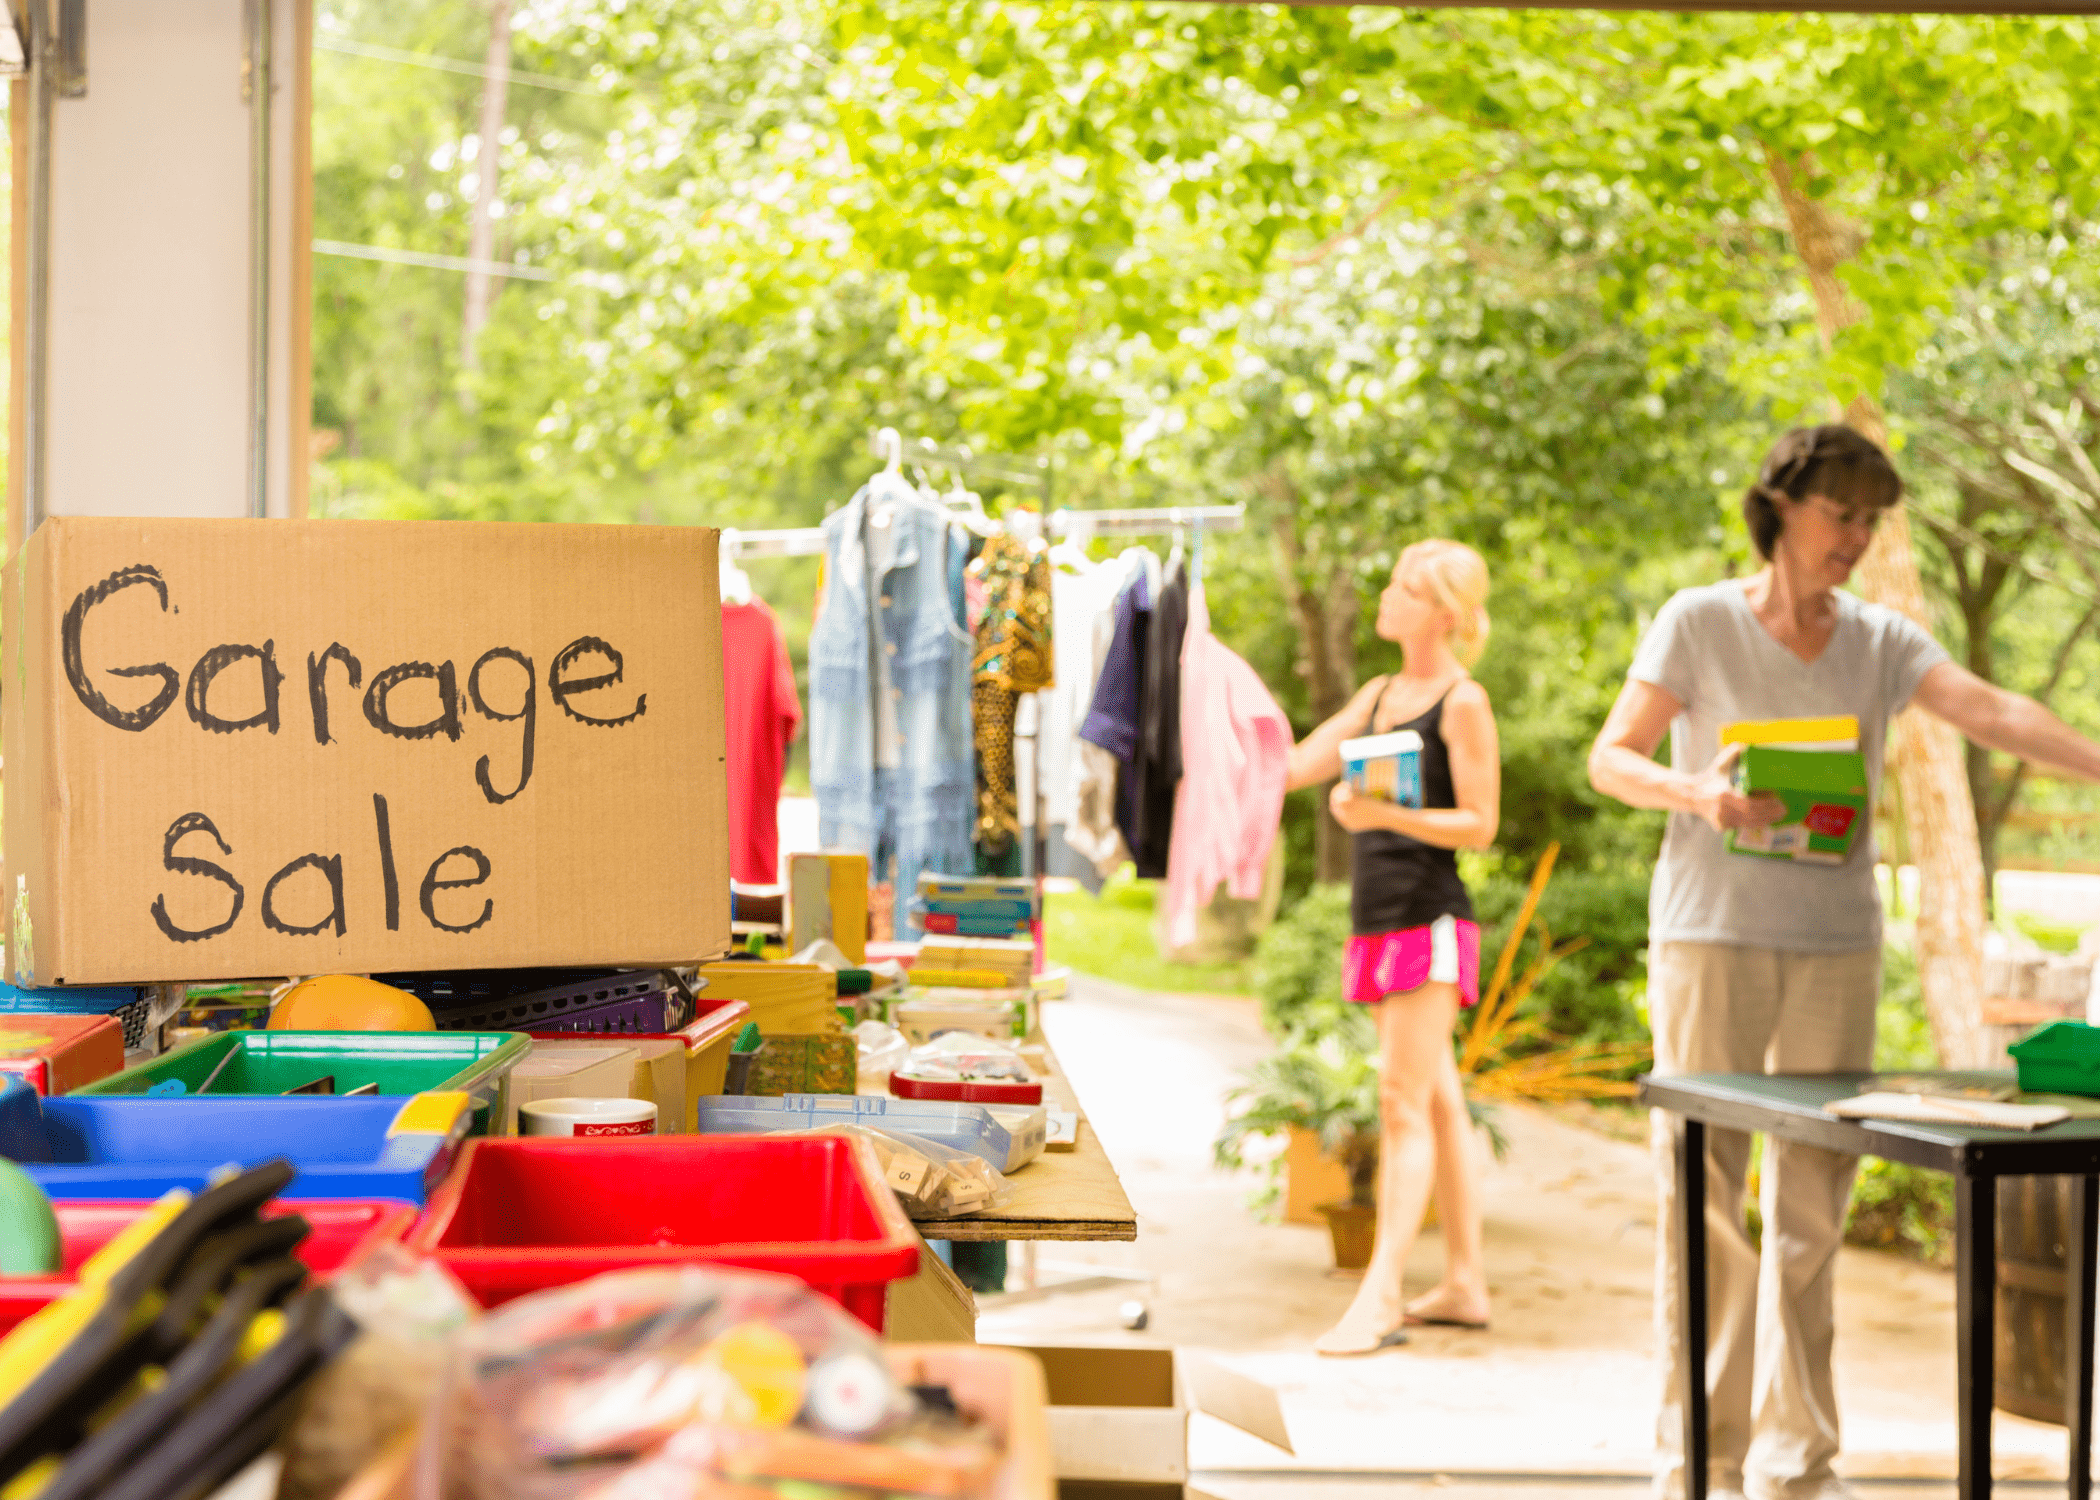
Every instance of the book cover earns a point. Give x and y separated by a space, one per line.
1385 766
1815 768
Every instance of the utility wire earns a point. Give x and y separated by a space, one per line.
432 262
449 64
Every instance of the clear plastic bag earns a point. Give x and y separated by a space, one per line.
690 1384
964 1055
408 1310
931 1181
882 1051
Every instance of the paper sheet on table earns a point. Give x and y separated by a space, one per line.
1939 1110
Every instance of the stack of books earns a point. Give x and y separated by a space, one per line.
1011 961
953 906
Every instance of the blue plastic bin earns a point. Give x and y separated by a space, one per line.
21 1121
123 1147
1007 1136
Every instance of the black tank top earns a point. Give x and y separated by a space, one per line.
1397 882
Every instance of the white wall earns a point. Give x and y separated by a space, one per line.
149 386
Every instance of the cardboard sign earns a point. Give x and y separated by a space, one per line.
294 747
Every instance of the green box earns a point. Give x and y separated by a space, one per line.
1825 792
2062 1057
477 1063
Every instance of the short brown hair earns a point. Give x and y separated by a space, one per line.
1837 462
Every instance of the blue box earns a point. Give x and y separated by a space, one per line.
129 1147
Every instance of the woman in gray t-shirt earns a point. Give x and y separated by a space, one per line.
1762 964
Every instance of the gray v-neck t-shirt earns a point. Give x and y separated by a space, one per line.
1709 651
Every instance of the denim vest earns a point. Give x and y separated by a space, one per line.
920 812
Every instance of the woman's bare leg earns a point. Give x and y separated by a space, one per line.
1462 1296
1414 1033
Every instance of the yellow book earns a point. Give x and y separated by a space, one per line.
1836 732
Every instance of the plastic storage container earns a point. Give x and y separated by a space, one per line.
344 1231
524 1214
707 1041
966 1090
21 1120
595 1000
127 1147
477 1063
2062 1057
1007 1137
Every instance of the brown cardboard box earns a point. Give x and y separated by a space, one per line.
1119 1417
298 747
933 1307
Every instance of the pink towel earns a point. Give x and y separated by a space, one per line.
1235 758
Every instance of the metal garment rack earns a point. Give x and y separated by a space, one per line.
1147 521
795 541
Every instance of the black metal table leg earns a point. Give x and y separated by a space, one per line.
1975 1281
2084 1253
1690 1230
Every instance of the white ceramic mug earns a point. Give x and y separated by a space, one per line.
587 1117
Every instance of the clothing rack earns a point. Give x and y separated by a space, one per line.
894 449
1147 521
796 541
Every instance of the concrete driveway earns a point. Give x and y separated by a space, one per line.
1559 1393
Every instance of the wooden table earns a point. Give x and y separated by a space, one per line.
1061 1195
1791 1108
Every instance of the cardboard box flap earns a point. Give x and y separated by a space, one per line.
1232 1397
1108 1377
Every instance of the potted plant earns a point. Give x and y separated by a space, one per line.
1326 1085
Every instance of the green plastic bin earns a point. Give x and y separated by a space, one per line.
2062 1057
477 1063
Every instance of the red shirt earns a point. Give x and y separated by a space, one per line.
761 711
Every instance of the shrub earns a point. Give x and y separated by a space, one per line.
1595 994
1298 964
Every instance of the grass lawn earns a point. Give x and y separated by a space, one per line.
1111 935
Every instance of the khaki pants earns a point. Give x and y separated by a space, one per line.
1717 1008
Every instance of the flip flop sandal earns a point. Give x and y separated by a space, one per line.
1421 1320
1391 1340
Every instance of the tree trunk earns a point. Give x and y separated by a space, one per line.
1326 620
481 236
1927 759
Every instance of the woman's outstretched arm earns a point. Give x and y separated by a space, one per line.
1318 757
1999 720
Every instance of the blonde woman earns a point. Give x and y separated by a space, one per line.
1415 952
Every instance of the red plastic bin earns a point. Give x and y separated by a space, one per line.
344 1232
520 1214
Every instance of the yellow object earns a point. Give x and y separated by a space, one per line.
37 1339
767 1365
349 1002
436 1113
33 1480
800 998
964 979
1839 731
828 898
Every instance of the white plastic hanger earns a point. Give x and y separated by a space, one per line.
736 583
1070 552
